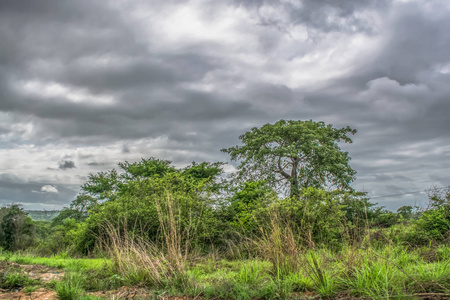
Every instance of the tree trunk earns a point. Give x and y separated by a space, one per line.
295 191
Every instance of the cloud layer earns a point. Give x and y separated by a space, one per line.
87 84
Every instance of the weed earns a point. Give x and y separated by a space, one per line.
71 287
14 280
29 289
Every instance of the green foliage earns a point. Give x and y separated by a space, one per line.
146 168
128 197
405 212
308 213
248 205
109 185
67 213
374 280
102 186
30 289
382 217
57 261
82 204
135 211
434 223
204 171
300 153
43 229
207 173
16 228
62 236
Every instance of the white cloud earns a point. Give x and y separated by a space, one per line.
58 90
49 189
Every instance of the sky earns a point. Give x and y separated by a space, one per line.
89 83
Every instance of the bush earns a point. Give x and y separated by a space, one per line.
248 206
434 224
383 218
135 211
307 214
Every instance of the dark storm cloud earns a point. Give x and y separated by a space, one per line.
399 87
143 119
93 163
79 74
416 43
67 164
398 99
53 30
125 149
143 85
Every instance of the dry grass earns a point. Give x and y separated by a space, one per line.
142 262
278 245
135 259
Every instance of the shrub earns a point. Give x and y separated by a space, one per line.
307 214
434 224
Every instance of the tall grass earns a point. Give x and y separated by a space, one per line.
155 264
136 260
278 245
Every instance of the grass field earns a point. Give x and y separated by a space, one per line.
390 272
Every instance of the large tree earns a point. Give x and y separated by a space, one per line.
297 153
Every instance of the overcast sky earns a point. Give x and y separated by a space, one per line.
89 83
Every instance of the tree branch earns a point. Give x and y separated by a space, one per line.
281 171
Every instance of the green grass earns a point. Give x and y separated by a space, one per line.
29 289
15 280
61 262
388 272
81 275
71 288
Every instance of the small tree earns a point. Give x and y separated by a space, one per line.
16 228
297 153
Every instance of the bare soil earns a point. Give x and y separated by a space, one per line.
40 273
41 294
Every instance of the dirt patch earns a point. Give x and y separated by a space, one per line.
40 273
37 272
43 273
41 294
124 293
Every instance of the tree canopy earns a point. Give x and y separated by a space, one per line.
297 153
108 185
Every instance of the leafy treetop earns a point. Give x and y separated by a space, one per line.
109 185
298 153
